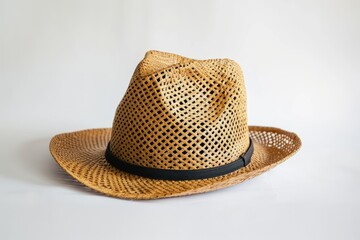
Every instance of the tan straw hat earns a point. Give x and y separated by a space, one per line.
180 129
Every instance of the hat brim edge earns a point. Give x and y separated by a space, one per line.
57 149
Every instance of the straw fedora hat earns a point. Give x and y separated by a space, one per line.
181 128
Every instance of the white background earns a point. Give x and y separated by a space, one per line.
65 65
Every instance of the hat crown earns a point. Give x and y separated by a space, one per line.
182 114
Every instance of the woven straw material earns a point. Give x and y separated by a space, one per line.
182 114
177 114
81 154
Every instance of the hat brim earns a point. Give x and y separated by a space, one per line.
82 155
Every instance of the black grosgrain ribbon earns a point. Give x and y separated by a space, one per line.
169 174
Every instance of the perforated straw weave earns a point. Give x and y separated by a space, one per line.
177 114
189 115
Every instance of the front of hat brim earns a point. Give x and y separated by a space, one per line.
82 155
